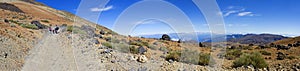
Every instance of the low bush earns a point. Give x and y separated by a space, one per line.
46 21
152 47
122 47
233 54
255 59
173 55
189 56
291 57
29 26
164 49
133 50
204 59
265 53
75 30
135 43
107 44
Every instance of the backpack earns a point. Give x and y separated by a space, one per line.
56 28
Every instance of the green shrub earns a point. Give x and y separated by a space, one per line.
29 26
135 43
70 28
46 21
291 57
164 49
203 59
254 59
75 30
233 54
114 40
122 47
152 47
145 43
189 56
174 55
133 50
265 53
107 44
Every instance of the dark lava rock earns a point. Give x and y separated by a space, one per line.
10 7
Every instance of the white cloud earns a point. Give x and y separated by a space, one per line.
236 10
245 14
229 13
236 25
148 22
96 9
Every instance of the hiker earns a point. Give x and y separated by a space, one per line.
50 28
56 29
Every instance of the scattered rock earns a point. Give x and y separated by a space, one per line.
170 61
113 61
280 56
95 41
5 55
282 47
142 59
102 32
6 21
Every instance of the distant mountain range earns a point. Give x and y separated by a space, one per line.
237 38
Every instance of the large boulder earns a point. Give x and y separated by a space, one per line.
142 50
165 37
201 45
39 25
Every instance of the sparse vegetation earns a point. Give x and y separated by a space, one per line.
153 47
122 47
291 57
254 59
29 26
233 54
133 50
135 43
193 57
164 49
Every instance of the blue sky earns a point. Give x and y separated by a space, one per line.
240 16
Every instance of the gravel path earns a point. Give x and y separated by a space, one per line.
51 54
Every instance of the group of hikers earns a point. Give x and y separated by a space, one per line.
53 30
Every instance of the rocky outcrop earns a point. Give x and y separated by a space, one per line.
39 25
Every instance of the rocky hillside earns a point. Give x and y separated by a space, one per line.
255 38
288 41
